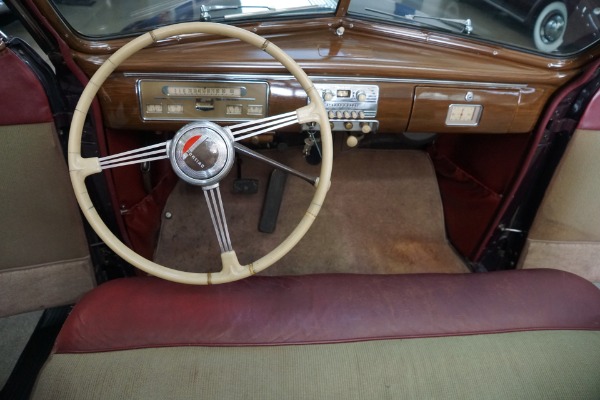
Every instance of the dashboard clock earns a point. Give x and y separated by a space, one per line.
464 114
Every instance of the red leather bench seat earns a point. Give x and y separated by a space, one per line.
147 312
531 334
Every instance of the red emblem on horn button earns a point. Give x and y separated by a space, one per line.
189 144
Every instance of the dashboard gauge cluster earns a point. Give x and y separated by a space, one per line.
196 100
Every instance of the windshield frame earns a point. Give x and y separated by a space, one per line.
404 31
155 18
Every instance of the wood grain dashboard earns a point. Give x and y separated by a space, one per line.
403 106
418 77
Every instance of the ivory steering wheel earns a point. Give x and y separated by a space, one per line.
205 167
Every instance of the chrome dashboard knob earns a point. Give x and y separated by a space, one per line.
327 95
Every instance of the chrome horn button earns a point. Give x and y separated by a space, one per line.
202 153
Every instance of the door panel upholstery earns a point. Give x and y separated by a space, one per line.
44 258
566 234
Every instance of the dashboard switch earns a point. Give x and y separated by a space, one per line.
365 127
354 139
327 95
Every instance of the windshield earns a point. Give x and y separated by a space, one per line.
555 27
117 17
558 27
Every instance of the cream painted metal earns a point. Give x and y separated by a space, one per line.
80 167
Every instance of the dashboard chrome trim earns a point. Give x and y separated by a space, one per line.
320 78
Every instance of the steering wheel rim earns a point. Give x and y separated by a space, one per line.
80 168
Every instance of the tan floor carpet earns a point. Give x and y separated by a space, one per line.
383 215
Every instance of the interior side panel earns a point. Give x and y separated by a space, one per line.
45 260
474 172
565 233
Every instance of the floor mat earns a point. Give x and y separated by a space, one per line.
383 214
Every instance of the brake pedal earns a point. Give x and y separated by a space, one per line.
244 185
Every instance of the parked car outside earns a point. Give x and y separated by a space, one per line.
546 19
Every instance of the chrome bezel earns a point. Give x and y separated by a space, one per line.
223 141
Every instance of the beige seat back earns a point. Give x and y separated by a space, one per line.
44 257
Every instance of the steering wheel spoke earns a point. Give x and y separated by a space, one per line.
83 167
153 152
212 194
256 127
275 164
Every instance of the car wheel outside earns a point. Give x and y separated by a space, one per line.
549 26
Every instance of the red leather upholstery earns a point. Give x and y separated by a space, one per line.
20 106
148 312
591 117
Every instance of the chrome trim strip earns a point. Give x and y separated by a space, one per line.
319 78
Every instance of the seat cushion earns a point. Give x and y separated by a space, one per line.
149 312
520 365
531 334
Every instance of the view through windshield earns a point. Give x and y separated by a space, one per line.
115 17
544 26
556 27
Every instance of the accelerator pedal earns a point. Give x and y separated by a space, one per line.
272 203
